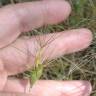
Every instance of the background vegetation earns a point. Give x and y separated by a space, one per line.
77 66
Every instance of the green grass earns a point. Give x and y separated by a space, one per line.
77 66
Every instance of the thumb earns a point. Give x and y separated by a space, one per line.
47 88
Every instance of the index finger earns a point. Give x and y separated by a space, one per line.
18 18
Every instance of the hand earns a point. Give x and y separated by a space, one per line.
20 18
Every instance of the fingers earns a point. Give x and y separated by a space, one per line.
40 13
68 42
20 55
49 88
18 18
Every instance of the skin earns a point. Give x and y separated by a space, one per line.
20 18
